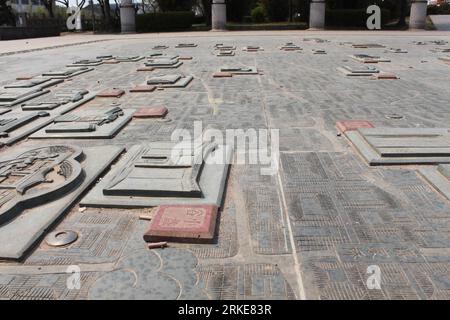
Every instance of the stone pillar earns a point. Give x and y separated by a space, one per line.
418 16
317 14
218 15
127 17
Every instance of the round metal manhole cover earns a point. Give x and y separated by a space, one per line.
61 238
394 116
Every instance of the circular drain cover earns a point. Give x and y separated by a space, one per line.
394 116
61 238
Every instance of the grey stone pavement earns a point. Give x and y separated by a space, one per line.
309 232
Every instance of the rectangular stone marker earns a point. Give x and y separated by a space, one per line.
290 47
145 69
66 72
151 112
239 70
143 88
36 82
318 51
351 125
149 176
439 178
186 45
160 47
170 81
11 97
222 75
185 58
178 223
380 146
59 98
252 49
161 63
45 181
385 76
367 45
4 110
86 63
356 71
47 109
221 46
397 50
225 53
111 93
366 58
86 124
128 59
162 56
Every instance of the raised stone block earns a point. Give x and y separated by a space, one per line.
111 93
181 223
252 49
290 47
318 51
164 173
349 125
38 185
11 97
225 53
186 45
351 71
239 70
59 98
86 124
367 45
151 112
185 58
221 46
86 63
382 146
366 58
385 76
66 72
143 88
439 178
170 81
128 58
145 69
161 63
36 82
397 50
160 47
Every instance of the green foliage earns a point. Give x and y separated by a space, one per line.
6 14
258 14
277 10
238 9
175 5
352 17
164 21
442 9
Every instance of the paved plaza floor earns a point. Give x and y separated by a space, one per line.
316 229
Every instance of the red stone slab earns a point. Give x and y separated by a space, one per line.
222 75
183 223
143 88
385 76
352 125
111 93
24 77
185 58
112 61
145 69
151 112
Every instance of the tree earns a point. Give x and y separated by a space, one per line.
175 5
48 4
6 14
106 12
403 12
278 10
64 3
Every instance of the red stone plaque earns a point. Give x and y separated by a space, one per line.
351 125
185 58
111 93
222 75
183 223
24 77
151 112
385 76
143 88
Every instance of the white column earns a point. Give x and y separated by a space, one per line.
218 14
317 14
127 17
418 16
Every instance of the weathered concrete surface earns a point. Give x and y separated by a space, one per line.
309 232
